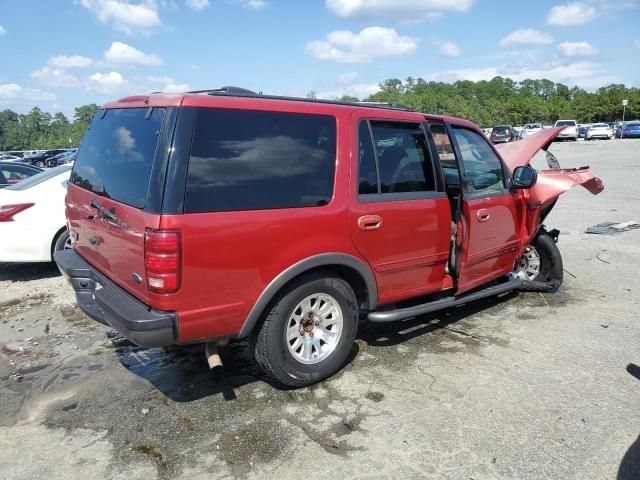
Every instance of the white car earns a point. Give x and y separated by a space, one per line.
530 129
32 221
599 130
9 158
569 133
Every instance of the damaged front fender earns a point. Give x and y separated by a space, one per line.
552 183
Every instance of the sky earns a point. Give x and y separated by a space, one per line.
59 54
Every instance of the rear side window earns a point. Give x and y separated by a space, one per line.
400 153
254 160
117 153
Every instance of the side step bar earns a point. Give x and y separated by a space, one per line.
410 312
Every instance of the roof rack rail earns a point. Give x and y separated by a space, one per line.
389 105
228 90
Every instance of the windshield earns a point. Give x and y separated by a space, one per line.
599 125
633 124
565 123
117 154
39 178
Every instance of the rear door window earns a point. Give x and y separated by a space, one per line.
254 160
394 159
117 154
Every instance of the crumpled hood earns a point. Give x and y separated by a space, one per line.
520 153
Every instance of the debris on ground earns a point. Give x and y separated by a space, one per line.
612 228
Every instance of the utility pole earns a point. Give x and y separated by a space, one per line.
624 109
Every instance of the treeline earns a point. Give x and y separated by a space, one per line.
486 103
40 130
501 100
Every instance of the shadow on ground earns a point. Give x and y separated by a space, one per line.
25 272
181 372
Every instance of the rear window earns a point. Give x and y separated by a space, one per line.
254 160
500 129
117 154
565 123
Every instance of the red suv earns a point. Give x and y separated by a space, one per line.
220 215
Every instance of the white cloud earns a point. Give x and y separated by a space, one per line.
449 49
577 49
346 78
571 14
348 47
123 55
2 30
254 4
107 83
153 83
395 9
55 77
70 61
139 18
527 37
587 75
12 93
197 4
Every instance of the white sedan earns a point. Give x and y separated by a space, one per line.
32 220
599 130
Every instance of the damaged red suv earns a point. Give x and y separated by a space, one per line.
220 215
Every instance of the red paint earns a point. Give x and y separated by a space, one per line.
220 263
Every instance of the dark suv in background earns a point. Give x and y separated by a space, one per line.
503 134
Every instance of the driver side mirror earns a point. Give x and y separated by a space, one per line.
524 177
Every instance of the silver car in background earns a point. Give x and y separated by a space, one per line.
599 130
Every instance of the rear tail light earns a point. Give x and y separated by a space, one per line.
163 260
7 212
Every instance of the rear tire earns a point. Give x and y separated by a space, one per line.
289 346
550 270
40 164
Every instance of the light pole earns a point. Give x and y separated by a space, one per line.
624 109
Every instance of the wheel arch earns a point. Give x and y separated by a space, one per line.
350 268
55 239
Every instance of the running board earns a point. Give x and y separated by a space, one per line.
410 312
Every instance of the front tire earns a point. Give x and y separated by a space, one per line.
540 268
308 330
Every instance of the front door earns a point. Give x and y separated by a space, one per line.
399 217
490 218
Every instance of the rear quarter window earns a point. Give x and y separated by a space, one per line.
254 160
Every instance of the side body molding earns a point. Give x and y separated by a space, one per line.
324 259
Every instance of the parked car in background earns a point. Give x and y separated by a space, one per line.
9 158
570 132
582 131
32 222
630 130
12 173
502 134
599 130
285 221
40 160
487 132
530 129
61 158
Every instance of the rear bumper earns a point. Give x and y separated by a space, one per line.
107 303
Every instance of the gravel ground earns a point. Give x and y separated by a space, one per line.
524 386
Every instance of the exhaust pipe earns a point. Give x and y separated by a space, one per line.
211 352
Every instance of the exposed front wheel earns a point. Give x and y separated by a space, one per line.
308 332
540 267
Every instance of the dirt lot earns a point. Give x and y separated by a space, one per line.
525 386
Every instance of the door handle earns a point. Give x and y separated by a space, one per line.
483 215
369 222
